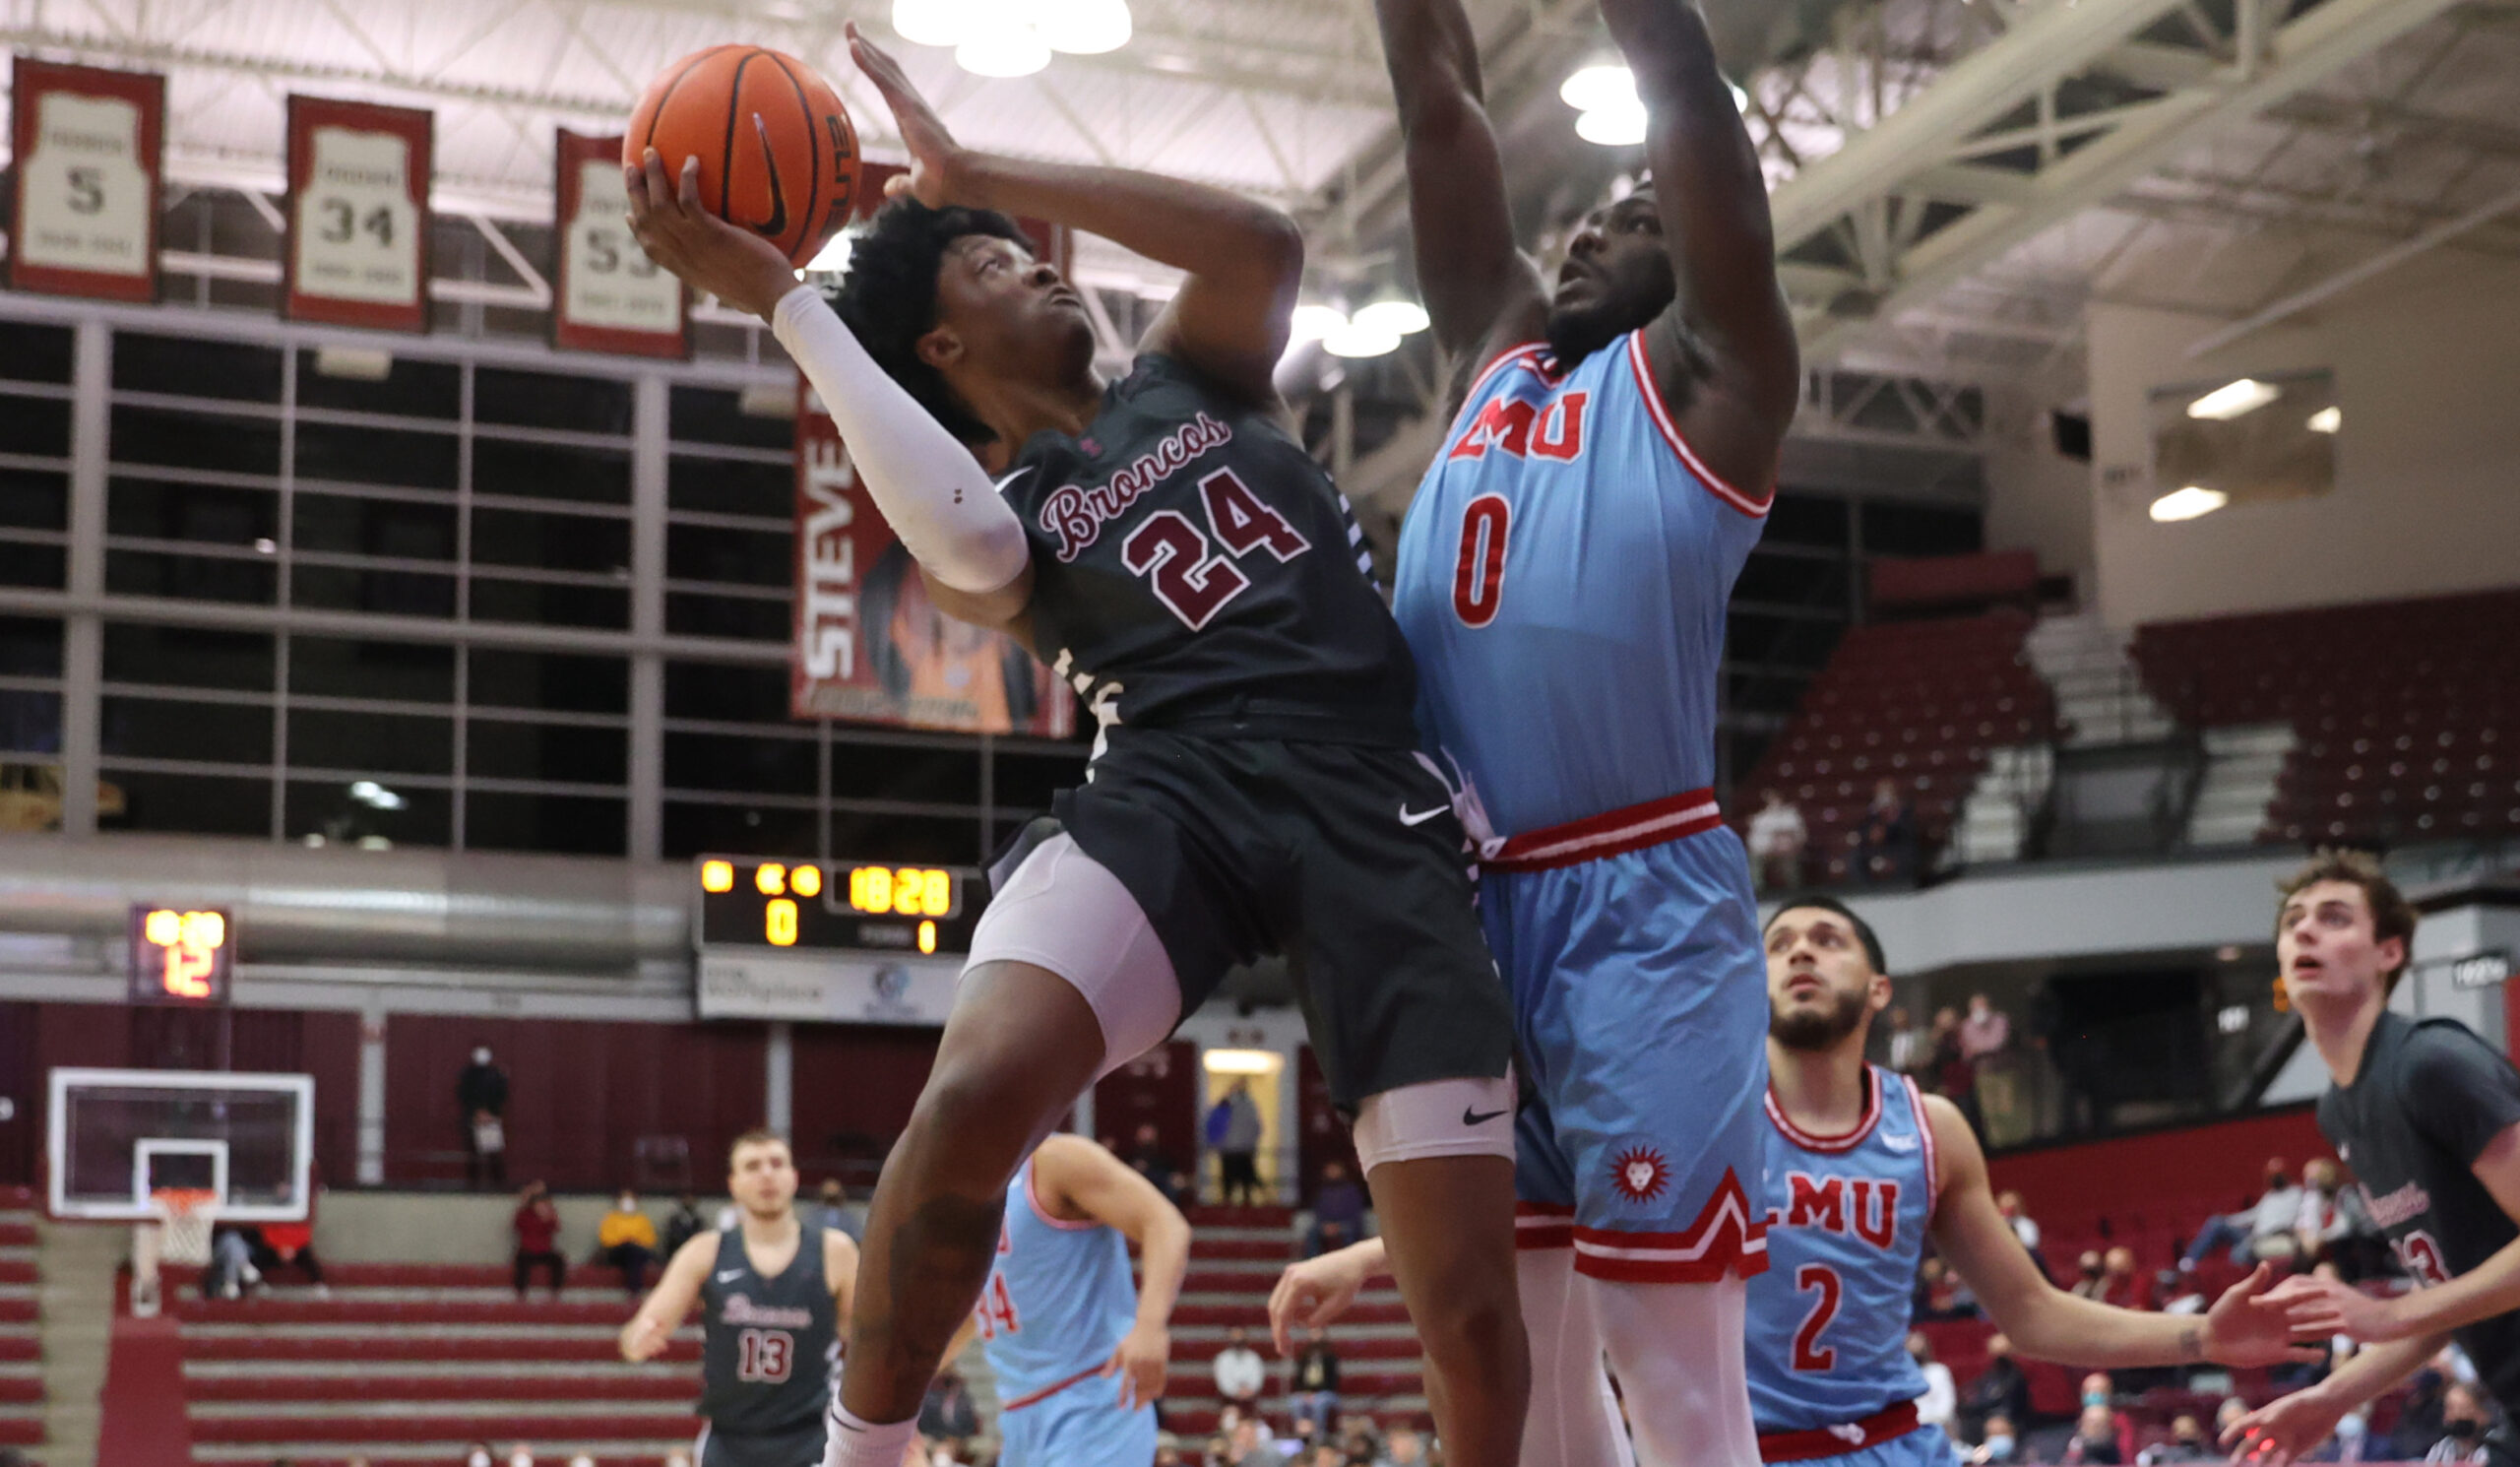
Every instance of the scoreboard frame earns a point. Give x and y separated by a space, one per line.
762 904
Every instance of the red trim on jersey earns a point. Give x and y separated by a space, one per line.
1837 1442
1543 1225
1727 1239
1032 1194
1933 1156
1753 505
1831 1145
1478 384
1610 833
1048 1391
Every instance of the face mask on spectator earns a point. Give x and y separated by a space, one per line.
477 1459
2094 1398
626 1202
1999 1446
2463 1429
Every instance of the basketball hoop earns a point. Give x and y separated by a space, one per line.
180 1235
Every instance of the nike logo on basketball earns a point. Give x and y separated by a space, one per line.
1420 817
776 224
1470 1116
729 1275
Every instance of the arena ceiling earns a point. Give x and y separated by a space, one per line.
1954 179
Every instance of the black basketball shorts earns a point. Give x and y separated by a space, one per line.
802 1446
1345 860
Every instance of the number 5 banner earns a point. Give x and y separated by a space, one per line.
608 295
90 148
357 252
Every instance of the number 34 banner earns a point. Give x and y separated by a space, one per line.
358 215
90 150
608 296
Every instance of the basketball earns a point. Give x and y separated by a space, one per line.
778 153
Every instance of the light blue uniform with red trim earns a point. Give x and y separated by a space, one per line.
1830 1375
1058 1302
1562 578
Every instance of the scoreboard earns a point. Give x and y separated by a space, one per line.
849 906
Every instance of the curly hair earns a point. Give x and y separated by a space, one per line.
2392 915
889 297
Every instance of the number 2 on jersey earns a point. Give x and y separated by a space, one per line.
997 1310
1478 578
1808 1353
1172 554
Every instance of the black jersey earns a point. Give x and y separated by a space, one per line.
2427 1099
1194 570
767 1362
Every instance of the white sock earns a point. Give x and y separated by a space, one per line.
1677 1352
1574 1418
862 1443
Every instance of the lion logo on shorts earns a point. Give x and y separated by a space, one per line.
1640 1174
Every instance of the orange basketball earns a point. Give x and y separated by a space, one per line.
776 153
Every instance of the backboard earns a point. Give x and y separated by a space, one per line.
113 1136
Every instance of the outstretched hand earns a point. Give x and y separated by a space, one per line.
2253 1324
1312 1294
2282 1431
1142 1361
936 158
714 257
2332 1307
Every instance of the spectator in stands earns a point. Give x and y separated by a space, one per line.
1240 1372
2000 1391
2118 1284
2186 1443
2095 1438
1312 1390
276 1244
2336 1225
831 1210
2001 1443
1778 836
1984 1031
1338 1210
1250 1445
1886 847
1147 1157
1942 1401
2464 1419
482 1095
538 1239
2269 1231
2420 1415
2100 1393
2087 1271
1402 1447
2174 1292
684 1223
1234 1129
1910 1045
477 1454
1949 1072
231 1268
1939 1293
2009 1205
949 1415
627 1239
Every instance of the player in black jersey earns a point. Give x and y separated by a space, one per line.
776 1292
2428 1116
1168 546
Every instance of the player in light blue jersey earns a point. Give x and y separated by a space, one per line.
1563 576
1869 1169
1060 1317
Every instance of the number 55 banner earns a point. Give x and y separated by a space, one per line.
608 295
90 148
357 252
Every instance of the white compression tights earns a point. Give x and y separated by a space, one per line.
1574 1418
1678 1351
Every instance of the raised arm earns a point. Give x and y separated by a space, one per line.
1481 293
648 1330
1081 1181
1244 260
840 1270
1723 356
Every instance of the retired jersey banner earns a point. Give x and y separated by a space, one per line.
357 252
90 150
870 646
607 295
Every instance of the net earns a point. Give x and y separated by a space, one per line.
180 1235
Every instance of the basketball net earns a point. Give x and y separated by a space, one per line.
180 1235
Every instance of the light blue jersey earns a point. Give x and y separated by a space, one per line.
1057 1304
1562 579
1828 1321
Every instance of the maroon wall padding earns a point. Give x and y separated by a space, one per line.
2218 1167
1954 580
855 1084
22 1081
145 1420
581 1096
1158 1088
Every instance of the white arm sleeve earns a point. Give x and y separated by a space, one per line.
931 489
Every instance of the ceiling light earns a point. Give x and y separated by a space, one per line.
932 23
266 545
2327 420
1359 340
1242 1061
1084 28
375 795
2187 503
1007 51
1311 323
1397 315
1612 127
1600 89
2234 400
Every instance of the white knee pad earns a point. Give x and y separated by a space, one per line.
1441 1117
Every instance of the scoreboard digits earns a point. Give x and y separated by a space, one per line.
754 902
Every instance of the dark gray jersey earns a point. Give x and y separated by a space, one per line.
2423 1105
768 1360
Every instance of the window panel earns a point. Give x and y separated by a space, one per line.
34 425
559 682
890 772
387 593
736 557
191 803
549 542
188 657
165 728
726 693
545 399
405 743
718 762
547 471
396 529
1920 529
213 514
691 829
496 749
905 839
30 353
718 486
180 438
570 824
29 647
741 617
45 567
540 605
219 578
329 808
196 368
30 722
714 414
1807 520
401 456
31 500
401 672
411 389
